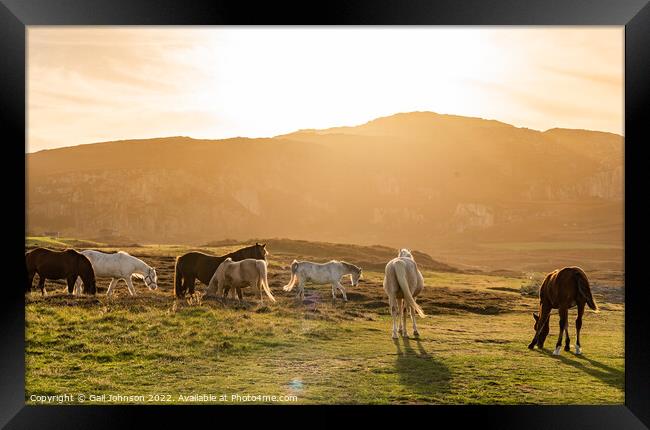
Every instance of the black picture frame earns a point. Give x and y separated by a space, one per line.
16 15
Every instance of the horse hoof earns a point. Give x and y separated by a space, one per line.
531 346
557 351
395 336
567 348
416 333
578 350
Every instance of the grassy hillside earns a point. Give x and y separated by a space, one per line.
472 347
420 179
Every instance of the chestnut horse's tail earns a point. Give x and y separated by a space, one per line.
178 278
585 290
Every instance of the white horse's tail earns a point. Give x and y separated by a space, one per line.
400 272
264 281
294 277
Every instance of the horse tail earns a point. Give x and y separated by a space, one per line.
400 272
585 290
294 276
178 279
261 267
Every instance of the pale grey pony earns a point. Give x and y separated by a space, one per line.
322 273
119 265
403 281
240 274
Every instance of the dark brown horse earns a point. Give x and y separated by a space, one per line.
197 265
68 264
562 289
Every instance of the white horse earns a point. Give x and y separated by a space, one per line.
240 274
322 273
403 281
120 265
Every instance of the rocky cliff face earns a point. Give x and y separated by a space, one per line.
411 178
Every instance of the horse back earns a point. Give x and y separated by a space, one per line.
53 264
561 288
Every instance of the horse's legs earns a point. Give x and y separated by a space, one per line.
415 326
581 310
71 282
333 291
301 289
394 312
180 285
567 342
77 287
543 320
111 286
564 316
41 284
340 287
259 290
30 280
190 280
402 321
129 284
240 295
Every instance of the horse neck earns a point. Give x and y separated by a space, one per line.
348 269
140 266
241 254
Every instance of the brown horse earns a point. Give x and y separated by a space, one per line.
562 289
68 264
197 265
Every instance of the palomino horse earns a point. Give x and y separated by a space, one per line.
120 265
68 264
238 275
562 289
322 273
403 281
197 265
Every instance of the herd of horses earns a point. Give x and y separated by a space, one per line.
403 282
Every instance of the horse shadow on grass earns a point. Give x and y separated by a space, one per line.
607 374
420 371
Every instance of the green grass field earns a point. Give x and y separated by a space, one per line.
472 347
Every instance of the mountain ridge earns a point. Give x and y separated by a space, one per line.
401 180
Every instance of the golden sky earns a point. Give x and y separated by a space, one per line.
92 84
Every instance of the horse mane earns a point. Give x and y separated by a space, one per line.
240 251
351 266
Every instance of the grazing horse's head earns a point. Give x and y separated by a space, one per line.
259 251
87 274
151 278
543 333
355 275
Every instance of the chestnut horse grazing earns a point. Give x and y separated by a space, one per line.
197 265
68 265
562 289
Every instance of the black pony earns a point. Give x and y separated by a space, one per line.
67 264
